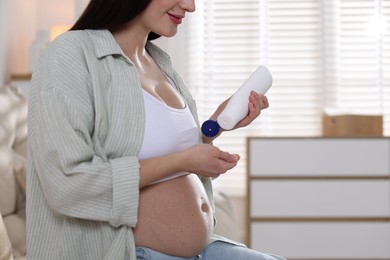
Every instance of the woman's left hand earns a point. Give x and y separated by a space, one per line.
257 102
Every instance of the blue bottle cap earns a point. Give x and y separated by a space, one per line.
210 128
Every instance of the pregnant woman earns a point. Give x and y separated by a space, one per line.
118 168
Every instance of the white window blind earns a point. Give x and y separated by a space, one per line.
359 67
322 53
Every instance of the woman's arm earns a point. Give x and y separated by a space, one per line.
203 159
76 176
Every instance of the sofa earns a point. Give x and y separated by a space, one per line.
5 243
13 143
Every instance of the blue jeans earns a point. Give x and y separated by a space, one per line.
215 251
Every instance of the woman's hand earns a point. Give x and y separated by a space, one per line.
209 161
202 159
256 103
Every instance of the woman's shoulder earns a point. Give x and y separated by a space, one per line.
72 38
67 52
72 46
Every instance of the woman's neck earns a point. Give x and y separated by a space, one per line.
132 40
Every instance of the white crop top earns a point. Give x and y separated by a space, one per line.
167 130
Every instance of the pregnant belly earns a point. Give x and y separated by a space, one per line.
174 217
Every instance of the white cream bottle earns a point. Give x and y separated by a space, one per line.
237 107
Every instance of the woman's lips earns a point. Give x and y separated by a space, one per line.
176 19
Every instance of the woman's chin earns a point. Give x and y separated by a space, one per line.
169 33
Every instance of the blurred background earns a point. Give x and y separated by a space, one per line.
330 60
325 56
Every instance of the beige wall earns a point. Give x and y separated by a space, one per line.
20 21
3 40
20 29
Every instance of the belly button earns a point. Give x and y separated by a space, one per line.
204 207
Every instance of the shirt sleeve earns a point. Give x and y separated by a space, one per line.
77 178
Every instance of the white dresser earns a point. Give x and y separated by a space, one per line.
319 198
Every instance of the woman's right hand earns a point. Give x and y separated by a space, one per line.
202 159
209 161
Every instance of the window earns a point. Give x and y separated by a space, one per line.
321 53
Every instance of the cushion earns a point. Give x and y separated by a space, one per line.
226 224
5 244
16 227
13 143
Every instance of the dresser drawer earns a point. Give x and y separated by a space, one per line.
320 198
323 240
316 157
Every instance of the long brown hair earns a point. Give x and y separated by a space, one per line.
108 14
